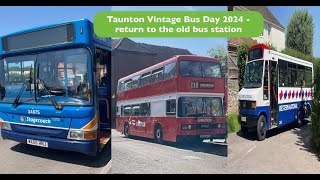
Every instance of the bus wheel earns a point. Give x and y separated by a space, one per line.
261 128
126 130
158 135
244 130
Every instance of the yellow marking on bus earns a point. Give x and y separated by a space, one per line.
106 141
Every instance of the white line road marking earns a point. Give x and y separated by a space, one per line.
106 168
243 156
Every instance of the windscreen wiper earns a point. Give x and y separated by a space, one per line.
54 102
29 81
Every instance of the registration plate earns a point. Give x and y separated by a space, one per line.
244 119
205 136
37 143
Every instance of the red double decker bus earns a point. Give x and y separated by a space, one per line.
180 98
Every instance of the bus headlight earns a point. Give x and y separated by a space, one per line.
253 105
6 126
82 135
186 126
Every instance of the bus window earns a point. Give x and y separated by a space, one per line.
171 107
292 75
308 77
157 75
127 111
211 70
146 79
136 81
300 75
127 84
253 74
145 109
200 107
135 110
121 86
283 73
170 70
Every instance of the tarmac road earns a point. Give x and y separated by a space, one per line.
142 156
287 150
17 158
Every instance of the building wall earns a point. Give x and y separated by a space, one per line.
123 64
276 37
233 94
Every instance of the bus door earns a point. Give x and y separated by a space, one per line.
273 91
103 69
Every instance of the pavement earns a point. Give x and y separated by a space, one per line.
142 156
286 150
17 158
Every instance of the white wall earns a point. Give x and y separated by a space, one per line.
276 37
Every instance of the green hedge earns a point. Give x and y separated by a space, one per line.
233 123
298 54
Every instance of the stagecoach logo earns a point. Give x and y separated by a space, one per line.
22 119
288 107
202 85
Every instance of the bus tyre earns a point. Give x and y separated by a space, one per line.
158 135
261 128
244 130
126 130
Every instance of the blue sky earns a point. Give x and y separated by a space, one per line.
283 14
19 18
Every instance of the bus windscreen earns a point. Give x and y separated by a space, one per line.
39 38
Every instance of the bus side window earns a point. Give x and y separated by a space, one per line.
283 73
127 111
145 109
171 107
157 75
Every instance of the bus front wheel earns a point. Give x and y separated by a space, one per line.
158 135
261 128
126 130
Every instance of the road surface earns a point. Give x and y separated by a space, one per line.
142 156
287 150
17 158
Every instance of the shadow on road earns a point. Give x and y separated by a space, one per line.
304 135
100 160
252 135
220 149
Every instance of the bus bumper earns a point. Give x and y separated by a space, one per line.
85 147
248 121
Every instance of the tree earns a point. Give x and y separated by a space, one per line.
300 28
220 53
242 53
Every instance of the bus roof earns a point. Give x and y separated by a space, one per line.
275 55
42 27
168 61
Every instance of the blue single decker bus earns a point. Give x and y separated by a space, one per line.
55 87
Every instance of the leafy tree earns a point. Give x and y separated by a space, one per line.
300 32
242 53
220 53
